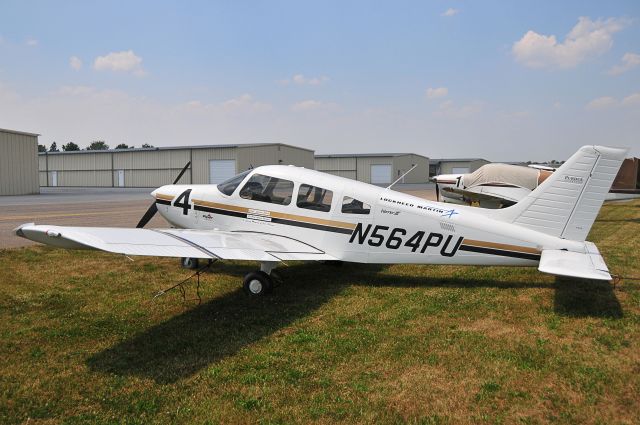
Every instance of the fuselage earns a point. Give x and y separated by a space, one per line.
354 221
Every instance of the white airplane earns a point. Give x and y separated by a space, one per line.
490 186
277 213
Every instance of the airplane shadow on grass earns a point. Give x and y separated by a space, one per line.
206 334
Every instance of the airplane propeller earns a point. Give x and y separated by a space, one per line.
153 209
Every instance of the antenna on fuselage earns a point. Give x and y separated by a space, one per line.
402 176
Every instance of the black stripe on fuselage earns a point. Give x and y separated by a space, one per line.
276 220
500 252
219 211
163 202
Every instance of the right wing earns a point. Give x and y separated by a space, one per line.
211 244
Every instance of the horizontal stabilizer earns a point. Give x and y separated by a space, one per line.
588 265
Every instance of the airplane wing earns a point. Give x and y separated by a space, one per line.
588 265
210 244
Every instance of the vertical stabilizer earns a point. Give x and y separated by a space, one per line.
567 203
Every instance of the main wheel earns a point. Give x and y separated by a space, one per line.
189 263
257 283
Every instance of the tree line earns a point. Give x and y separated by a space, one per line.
96 145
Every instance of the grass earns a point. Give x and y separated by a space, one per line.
82 342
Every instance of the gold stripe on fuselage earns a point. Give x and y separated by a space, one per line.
274 214
495 245
164 197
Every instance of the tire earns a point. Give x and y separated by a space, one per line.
189 263
257 284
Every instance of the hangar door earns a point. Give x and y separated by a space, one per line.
380 173
221 170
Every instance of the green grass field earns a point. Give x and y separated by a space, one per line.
82 342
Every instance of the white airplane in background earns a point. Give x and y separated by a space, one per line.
276 213
491 186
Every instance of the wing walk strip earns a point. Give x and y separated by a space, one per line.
500 249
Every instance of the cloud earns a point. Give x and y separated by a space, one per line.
75 63
32 42
124 61
313 105
607 102
449 109
301 80
434 93
245 102
629 61
586 40
631 100
603 102
450 12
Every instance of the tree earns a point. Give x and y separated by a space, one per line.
98 145
42 148
147 145
54 147
123 146
70 146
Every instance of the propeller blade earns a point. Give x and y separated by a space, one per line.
182 172
153 209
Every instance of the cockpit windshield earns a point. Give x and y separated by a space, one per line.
229 186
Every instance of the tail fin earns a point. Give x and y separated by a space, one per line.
567 203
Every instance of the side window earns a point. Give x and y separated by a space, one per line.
227 187
268 189
353 206
314 198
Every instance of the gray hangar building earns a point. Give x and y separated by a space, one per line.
456 165
18 163
376 168
153 167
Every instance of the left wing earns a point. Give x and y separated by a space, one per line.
211 244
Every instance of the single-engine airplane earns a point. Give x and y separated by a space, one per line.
276 213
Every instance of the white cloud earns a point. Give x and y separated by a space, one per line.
245 102
607 102
313 105
629 61
603 102
631 100
301 80
434 93
586 40
32 42
449 109
124 61
450 12
75 63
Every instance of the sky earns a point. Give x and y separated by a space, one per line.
501 80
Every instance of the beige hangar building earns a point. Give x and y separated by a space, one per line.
378 168
18 163
153 167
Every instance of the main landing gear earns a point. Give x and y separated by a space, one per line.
255 283
259 282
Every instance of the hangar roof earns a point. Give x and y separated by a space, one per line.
365 155
165 148
24 133
458 159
